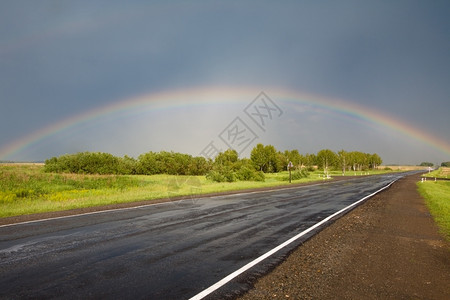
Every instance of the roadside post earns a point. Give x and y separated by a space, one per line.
290 165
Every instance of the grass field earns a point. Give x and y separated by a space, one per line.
403 168
27 189
437 196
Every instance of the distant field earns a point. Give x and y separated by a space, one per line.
404 168
26 189
442 172
380 170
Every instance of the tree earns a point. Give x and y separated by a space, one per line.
375 161
227 167
343 160
227 158
148 164
356 160
199 166
326 158
426 164
310 161
445 164
264 158
127 165
295 157
281 161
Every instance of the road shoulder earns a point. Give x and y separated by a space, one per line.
387 248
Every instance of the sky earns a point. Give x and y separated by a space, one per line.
128 77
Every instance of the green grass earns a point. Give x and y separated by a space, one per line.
437 197
27 189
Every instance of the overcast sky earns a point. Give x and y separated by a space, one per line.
61 59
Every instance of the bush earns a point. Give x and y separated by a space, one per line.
249 174
259 176
171 163
304 173
297 175
127 166
150 163
84 163
310 169
222 175
225 174
228 167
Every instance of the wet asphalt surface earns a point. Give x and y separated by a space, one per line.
167 250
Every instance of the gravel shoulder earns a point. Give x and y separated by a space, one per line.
387 248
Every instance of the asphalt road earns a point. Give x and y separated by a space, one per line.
166 251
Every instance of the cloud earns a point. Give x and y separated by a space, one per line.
59 60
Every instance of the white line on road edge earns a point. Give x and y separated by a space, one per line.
236 273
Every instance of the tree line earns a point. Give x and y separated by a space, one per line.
150 163
227 166
430 164
268 159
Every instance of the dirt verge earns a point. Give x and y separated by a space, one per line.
387 248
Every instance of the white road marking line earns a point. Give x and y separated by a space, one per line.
238 272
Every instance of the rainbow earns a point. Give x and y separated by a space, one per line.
215 95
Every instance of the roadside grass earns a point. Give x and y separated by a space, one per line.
27 189
437 198
442 172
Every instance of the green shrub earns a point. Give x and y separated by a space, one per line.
226 174
310 169
259 176
215 176
171 163
222 174
297 175
250 174
84 163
